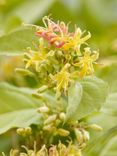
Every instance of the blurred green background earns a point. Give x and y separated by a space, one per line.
97 16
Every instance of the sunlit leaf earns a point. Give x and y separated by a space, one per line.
18 108
94 95
74 99
98 146
17 41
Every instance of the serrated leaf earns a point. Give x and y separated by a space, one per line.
18 108
74 99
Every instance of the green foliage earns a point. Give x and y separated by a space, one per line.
17 41
103 145
56 105
95 93
88 98
18 108
74 99
83 99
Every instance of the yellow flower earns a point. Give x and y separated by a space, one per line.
62 79
57 34
35 58
75 40
86 62
73 151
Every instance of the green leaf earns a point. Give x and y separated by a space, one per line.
110 106
17 41
74 99
14 12
109 72
94 93
56 105
98 146
18 108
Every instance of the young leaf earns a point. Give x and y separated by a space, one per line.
93 97
74 99
18 108
95 92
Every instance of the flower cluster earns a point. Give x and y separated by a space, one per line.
58 150
82 136
57 34
54 125
60 57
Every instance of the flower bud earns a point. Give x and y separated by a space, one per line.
62 116
63 132
57 122
50 119
86 136
28 130
95 127
43 109
24 72
48 127
36 95
24 131
79 135
21 131
42 89
59 54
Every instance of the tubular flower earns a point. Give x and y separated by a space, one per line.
62 79
57 34
59 58
35 58
55 150
86 62
53 33
75 40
